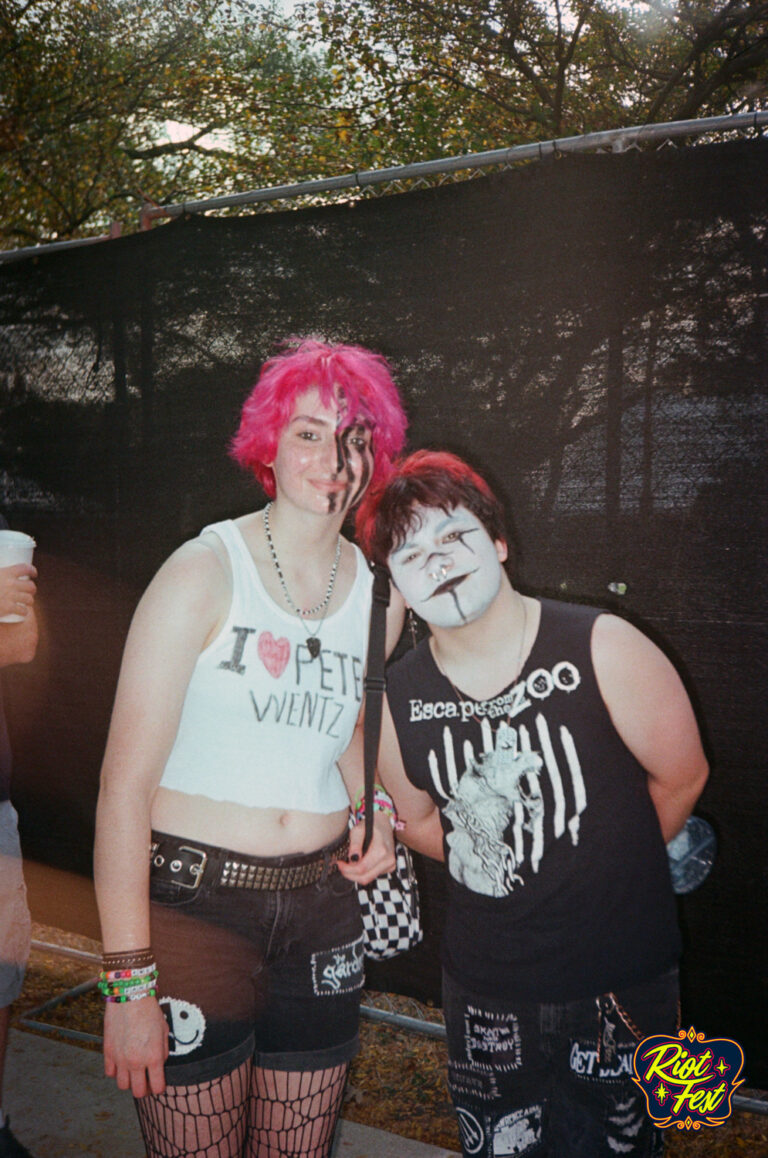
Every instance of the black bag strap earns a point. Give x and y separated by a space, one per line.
374 685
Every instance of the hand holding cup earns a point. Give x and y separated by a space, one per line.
17 576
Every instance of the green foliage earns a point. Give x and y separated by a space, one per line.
424 79
88 88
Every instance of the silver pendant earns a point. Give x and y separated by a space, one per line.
313 646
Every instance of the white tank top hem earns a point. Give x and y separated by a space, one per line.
263 724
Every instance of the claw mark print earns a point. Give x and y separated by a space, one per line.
497 808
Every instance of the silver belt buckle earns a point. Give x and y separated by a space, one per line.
196 870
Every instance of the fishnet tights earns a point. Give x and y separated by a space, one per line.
249 1113
293 1115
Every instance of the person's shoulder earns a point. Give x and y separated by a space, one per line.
613 632
192 580
609 630
620 650
200 560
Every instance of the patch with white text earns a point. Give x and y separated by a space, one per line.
584 1062
468 1080
516 1133
338 970
492 1039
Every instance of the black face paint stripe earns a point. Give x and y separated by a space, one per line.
343 463
458 606
460 536
366 460
366 470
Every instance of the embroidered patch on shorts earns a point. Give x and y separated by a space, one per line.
492 1039
338 970
471 1130
583 1060
186 1025
472 1081
516 1133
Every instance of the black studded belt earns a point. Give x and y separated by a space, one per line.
187 863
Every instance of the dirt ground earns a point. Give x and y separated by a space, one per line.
397 1082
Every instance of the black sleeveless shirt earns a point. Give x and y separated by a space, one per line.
559 885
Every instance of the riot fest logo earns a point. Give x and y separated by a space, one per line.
688 1080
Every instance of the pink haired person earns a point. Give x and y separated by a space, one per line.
225 872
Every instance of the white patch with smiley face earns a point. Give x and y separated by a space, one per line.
186 1023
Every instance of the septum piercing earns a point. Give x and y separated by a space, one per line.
440 573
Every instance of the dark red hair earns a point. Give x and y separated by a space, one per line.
427 478
360 375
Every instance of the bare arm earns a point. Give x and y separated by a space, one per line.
423 831
173 621
652 713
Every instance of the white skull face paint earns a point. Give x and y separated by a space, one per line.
448 569
186 1023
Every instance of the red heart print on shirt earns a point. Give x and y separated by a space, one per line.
274 653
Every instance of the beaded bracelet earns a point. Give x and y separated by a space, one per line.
147 991
382 802
132 986
121 985
109 988
126 983
128 974
118 999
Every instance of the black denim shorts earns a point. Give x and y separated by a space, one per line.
273 975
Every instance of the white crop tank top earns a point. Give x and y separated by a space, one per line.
263 724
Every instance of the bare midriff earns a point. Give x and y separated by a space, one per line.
255 831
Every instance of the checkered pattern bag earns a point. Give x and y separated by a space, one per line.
390 909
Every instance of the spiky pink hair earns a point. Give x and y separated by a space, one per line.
360 375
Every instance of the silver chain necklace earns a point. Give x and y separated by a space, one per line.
313 640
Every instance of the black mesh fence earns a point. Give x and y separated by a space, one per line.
589 330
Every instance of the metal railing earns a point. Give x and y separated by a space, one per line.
424 172
617 140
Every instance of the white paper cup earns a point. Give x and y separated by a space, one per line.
15 547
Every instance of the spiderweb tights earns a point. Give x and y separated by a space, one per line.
202 1121
293 1115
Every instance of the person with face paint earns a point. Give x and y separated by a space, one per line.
225 870
546 752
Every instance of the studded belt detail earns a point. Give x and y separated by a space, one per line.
186 865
